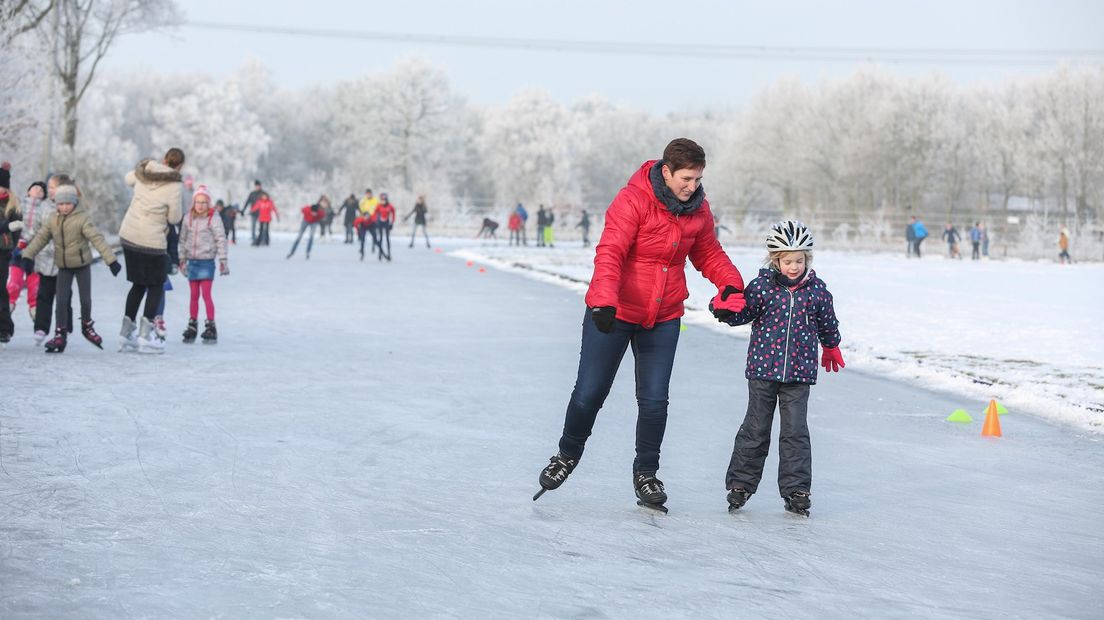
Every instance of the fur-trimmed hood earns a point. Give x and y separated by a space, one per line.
150 172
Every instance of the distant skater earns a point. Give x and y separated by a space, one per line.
488 229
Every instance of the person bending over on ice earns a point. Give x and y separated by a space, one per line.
365 224
312 215
72 231
790 310
657 221
488 229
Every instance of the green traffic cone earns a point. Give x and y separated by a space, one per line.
959 415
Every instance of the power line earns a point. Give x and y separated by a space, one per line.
737 52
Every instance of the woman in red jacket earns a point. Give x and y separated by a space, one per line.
265 210
657 221
385 221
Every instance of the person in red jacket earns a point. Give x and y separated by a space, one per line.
312 215
265 210
513 224
385 221
365 223
657 221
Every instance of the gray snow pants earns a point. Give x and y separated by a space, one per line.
795 455
65 277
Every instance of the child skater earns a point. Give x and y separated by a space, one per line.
790 309
72 230
202 240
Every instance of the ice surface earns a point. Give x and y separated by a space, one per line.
365 439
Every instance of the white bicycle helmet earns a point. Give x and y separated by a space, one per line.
789 236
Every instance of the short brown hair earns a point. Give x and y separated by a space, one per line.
174 158
683 153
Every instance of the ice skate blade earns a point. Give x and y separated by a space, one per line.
798 512
660 508
539 493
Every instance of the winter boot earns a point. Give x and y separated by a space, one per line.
90 334
737 498
148 342
558 469
649 489
128 341
190 333
210 334
798 502
57 343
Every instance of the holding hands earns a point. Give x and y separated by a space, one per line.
728 302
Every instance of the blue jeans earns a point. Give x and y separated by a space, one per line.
599 358
304 227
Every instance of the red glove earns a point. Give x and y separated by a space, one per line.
727 302
832 359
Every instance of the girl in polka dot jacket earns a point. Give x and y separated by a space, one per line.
790 310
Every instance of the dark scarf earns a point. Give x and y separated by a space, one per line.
668 198
788 282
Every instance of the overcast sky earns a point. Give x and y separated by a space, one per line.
491 75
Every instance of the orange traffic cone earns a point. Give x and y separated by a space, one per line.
992 421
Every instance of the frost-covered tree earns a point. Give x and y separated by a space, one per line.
529 150
85 31
24 111
612 141
222 139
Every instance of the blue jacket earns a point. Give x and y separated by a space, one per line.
921 231
786 326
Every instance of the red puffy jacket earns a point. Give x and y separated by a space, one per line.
639 264
312 215
265 209
385 213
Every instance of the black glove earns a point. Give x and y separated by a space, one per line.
604 317
115 268
724 314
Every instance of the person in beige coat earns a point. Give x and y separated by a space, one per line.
156 205
72 231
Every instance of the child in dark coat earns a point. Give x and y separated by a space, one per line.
790 310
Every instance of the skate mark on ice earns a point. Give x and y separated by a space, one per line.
141 465
76 459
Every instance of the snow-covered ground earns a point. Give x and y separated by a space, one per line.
1025 333
364 441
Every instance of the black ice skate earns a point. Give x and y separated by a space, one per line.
798 503
649 492
57 343
210 334
90 334
191 332
553 475
737 498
